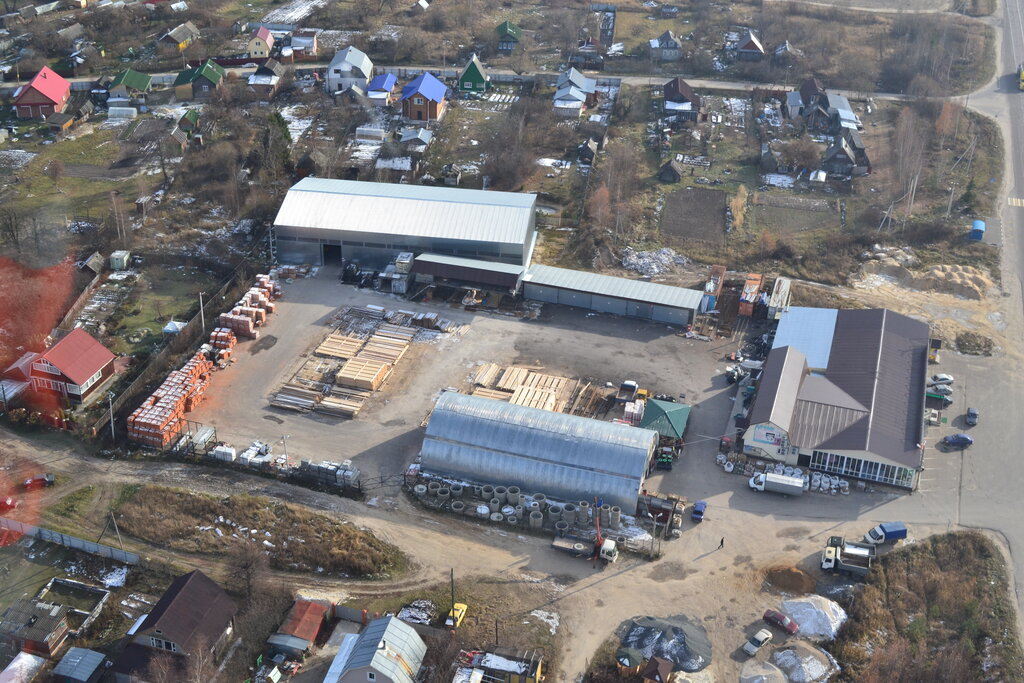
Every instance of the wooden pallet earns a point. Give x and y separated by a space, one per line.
492 393
363 374
486 374
539 380
513 377
531 397
338 345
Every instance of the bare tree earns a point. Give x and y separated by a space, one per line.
55 169
909 141
11 226
248 567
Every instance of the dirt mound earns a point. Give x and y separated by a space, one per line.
790 579
964 281
974 344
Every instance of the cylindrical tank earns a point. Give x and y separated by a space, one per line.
554 513
456 490
508 510
495 504
487 492
606 513
433 487
536 519
501 493
514 495
458 507
444 494
511 519
420 490
533 505
483 511
541 499
561 527
519 511
569 513
615 517
497 517
583 513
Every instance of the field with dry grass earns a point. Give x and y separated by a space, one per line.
294 538
938 610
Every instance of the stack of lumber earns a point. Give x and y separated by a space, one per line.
294 396
384 348
513 377
397 332
362 373
532 397
338 345
427 321
160 418
343 402
497 395
541 381
486 375
371 311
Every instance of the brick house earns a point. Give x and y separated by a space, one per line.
74 367
35 627
47 93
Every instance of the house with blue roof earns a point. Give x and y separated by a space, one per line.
387 651
381 91
424 99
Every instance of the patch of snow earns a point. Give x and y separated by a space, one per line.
293 12
805 665
297 125
651 263
115 577
554 163
819 617
549 618
15 158
499 663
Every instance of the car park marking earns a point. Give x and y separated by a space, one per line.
1016 201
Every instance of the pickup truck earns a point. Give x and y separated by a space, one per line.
627 391
886 532
580 548
777 483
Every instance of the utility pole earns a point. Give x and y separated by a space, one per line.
202 315
454 616
110 405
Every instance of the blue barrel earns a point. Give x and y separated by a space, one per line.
977 231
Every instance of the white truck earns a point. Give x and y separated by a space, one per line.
777 483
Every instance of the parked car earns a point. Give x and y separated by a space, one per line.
941 389
699 508
456 615
757 641
972 417
940 378
8 503
39 481
957 441
782 621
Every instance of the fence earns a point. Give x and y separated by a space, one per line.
74 542
69 319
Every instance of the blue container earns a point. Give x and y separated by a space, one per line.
977 231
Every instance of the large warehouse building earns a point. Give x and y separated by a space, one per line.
322 221
844 395
566 457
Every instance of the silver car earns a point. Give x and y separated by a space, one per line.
757 641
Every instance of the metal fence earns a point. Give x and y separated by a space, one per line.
51 536
67 324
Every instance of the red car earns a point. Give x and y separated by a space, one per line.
782 621
8 503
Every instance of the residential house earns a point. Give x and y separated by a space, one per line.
666 48
194 614
473 78
79 666
304 42
199 83
586 152
793 107
856 143
509 36
47 93
267 79
189 121
784 52
260 43
811 90
682 101
387 651
297 633
129 85
350 67
424 98
38 628
750 49
574 92
181 36
671 172
841 159
831 113
381 91
658 670
71 33
73 368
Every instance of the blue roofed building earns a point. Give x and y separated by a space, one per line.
387 651
424 98
381 91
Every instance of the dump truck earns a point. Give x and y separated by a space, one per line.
886 532
577 547
847 557
628 391
777 483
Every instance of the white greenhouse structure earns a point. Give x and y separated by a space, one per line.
566 457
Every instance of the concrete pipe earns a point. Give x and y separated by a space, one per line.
621 540
433 487
533 505
487 492
456 491
508 510
541 500
444 494
420 490
483 511
554 513
515 496
501 493
497 517
569 513
615 517
458 507
536 519
519 511
561 527
512 519
583 513
606 513
495 505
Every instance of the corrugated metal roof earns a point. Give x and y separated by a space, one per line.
618 287
564 456
667 418
79 663
777 390
507 268
413 210
340 661
391 647
810 331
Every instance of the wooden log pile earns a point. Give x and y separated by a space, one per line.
294 396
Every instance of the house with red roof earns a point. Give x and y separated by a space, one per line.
260 43
74 367
47 93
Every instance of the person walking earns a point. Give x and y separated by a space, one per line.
721 544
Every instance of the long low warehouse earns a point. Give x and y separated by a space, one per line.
607 294
566 457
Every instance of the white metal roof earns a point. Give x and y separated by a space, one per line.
810 330
618 287
411 210
507 268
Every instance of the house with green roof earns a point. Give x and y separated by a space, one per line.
129 84
473 77
199 83
509 36
189 121
665 417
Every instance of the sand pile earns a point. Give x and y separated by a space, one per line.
967 282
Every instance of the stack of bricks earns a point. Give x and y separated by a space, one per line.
270 286
241 325
223 341
161 417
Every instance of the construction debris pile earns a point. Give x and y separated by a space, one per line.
357 357
524 386
161 417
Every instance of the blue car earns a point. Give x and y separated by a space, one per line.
957 441
698 510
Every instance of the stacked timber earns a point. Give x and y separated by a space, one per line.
293 396
363 373
372 312
338 345
497 395
531 397
384 348
513 377
486 375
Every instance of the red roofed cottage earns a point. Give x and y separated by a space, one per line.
73 367
46 94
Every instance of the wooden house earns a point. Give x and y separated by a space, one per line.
666 48
47 93
181 36
266 80
671 172
750 48
473 78
682 101
260 43
73 367
200 82
130 85
424 99
189 121
39 628
509 36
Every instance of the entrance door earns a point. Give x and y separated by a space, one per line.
332 254
419 115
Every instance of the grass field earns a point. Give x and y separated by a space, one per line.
73 503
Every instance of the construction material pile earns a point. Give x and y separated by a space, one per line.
252 309
161 417
222 342
819 617
526 387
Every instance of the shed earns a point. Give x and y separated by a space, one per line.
665 417
977 231
671 172
658 670
60 123
629 661
387 651
607 294
469 271
299 630
79 665
120 259
95 263
23 668
565 456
